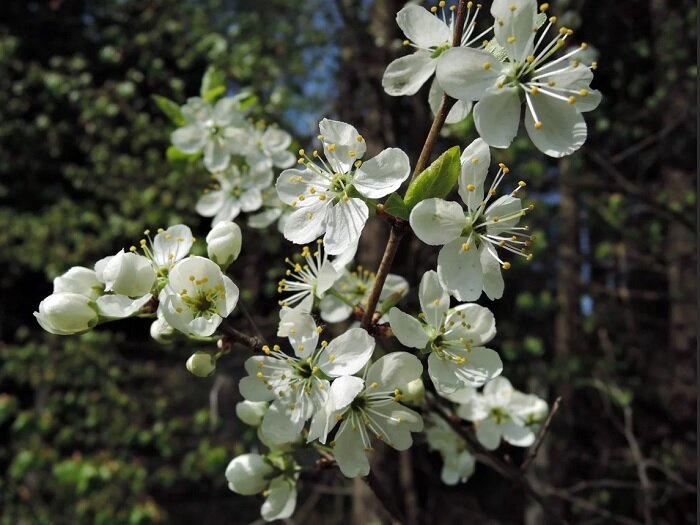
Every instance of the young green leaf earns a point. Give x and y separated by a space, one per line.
395 206
170 108
213 84
436 181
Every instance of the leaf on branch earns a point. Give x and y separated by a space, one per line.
170 108
175 155
437 180
395 206
213 84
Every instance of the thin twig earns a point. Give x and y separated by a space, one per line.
384 497
235 336
399 226
641 467
541 435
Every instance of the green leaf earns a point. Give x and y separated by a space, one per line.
437 180
175 155
395 206
213 84
170 108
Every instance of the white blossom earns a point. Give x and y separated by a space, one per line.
201 364
218 131
326 193
312 277
251 412
469 262
297 385
500 411
453 337
555 92
268 148
354 288
430 35
369 406
236 190
67 313
458 463
197 296
80 280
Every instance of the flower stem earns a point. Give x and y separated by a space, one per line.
399 226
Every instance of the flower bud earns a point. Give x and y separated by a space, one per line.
415 392
79 280
66 313
161 331
248 474
251 412
224 243
201 364
127 274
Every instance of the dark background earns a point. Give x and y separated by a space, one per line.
109 428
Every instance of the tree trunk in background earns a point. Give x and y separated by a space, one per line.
681 246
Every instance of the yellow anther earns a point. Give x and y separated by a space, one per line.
320 137
441 3
374 385
436 302
538 125
487 66
302 153
160 230
300 348
433 9
469 5
452 7
301 197
324 344
178 309
499 85
471 187
529 257
501 243
312 190
346 198
315 370
331 147
584 45
192 278
544 7
406 42
168 236
594 65
331 358
132 248
572 100
512 8
583 92
259 375
474 160
322 197
552 83
358 163
352 152
494 218
506 265
315 153
510 40
522 183
465 247
535 90
530 59
552 19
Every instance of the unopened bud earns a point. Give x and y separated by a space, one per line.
224 243
66 313
201 364
251 412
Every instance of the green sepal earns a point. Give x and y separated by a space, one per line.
437 180
170 108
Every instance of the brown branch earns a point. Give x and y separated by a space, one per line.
231 335
399 226
541 435
384 497
641 467
508 471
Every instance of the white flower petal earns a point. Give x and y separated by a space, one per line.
230 209
120 306
460 271
79 280
493 278
349 452
394 370
434 300
481 365
189 139
301 228
300 328
499 391
497 116
475 409
279 425
383 174
517 435
345 223
475 159
422 27
345 140
461 72
247 474
293 182
251 200
327 276
216 156
506 209
459 111
407 329
281 500
515 19
406 75
334 310
347 353
437 221
489 434
563 129
344 390
172 245
480 324
210 203
457 468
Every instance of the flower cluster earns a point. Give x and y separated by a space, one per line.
342 394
